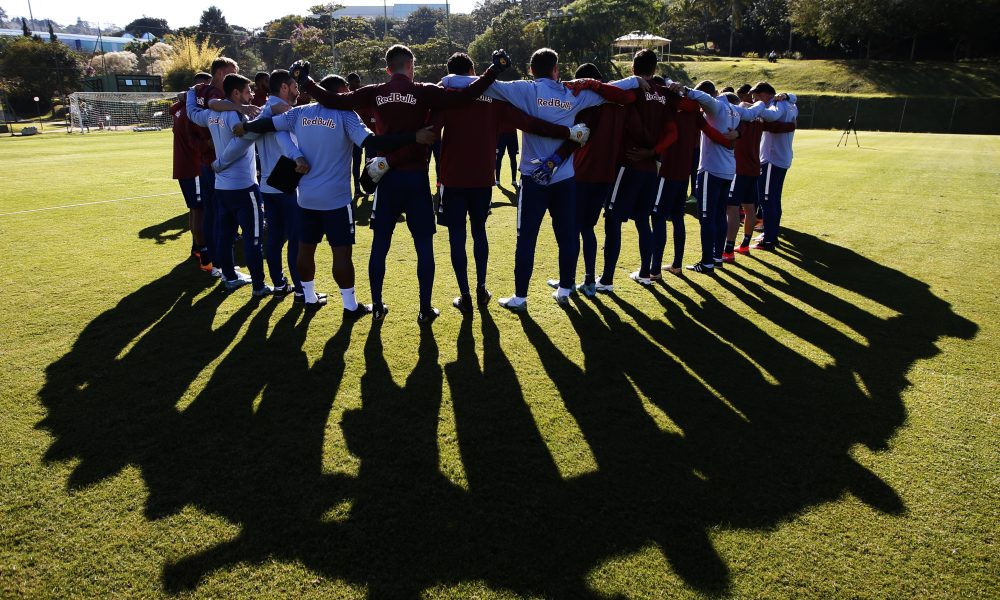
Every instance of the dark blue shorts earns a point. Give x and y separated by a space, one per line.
671 195
191 189
590 199
457 202
743 190
633 195
404 192
336 224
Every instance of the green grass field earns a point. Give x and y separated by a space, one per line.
820 422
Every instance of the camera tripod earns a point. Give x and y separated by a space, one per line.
846 136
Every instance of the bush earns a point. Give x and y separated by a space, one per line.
751 55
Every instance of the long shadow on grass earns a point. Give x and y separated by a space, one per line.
696 417
172 229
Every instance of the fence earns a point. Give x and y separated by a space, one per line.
915 115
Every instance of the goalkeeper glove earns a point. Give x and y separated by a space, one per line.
543 173
300 71
579 133
374 170
501 61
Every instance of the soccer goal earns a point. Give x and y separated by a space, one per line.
138 111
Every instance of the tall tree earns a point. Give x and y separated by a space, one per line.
419 26
3 17
24 28
52 34
213 28
151 25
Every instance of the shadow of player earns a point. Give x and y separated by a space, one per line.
697 418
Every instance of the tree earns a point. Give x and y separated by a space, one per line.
30 67
506 31
276 47
118 62
3 17
156 59
213 28
187 57
24 28
419 26
462 28
586 36
383 26
308 44
850 24
52 33
364 56
151 25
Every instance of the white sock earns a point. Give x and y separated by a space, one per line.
309 289
517 300
563 292
350 302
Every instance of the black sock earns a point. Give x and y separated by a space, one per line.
746 241
729 246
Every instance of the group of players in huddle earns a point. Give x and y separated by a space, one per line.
624 147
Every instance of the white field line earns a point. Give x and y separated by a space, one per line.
34 210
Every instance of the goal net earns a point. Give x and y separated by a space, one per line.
138 111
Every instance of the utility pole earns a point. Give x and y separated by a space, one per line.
385 19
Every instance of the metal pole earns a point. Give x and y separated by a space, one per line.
333 44
385 19
903 114
447 23
951 121
30 15
38 111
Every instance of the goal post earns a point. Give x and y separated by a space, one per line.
138 111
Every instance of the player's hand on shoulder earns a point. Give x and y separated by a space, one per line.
301 166
248 110
578 85
239 130
280 108
644 85
426 136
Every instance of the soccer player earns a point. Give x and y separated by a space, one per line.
507 146
637 183
775 160
555 191
201 98
402 105
237 194
281 208
716 170
325 138
743 191
594 165
675 171
367 116
187 172
470 138
261 87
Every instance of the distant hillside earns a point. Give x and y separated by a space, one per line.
848 77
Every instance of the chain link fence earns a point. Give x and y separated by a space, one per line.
915 115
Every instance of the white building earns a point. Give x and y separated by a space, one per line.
396 12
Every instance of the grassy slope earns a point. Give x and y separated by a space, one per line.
817 423
850 77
